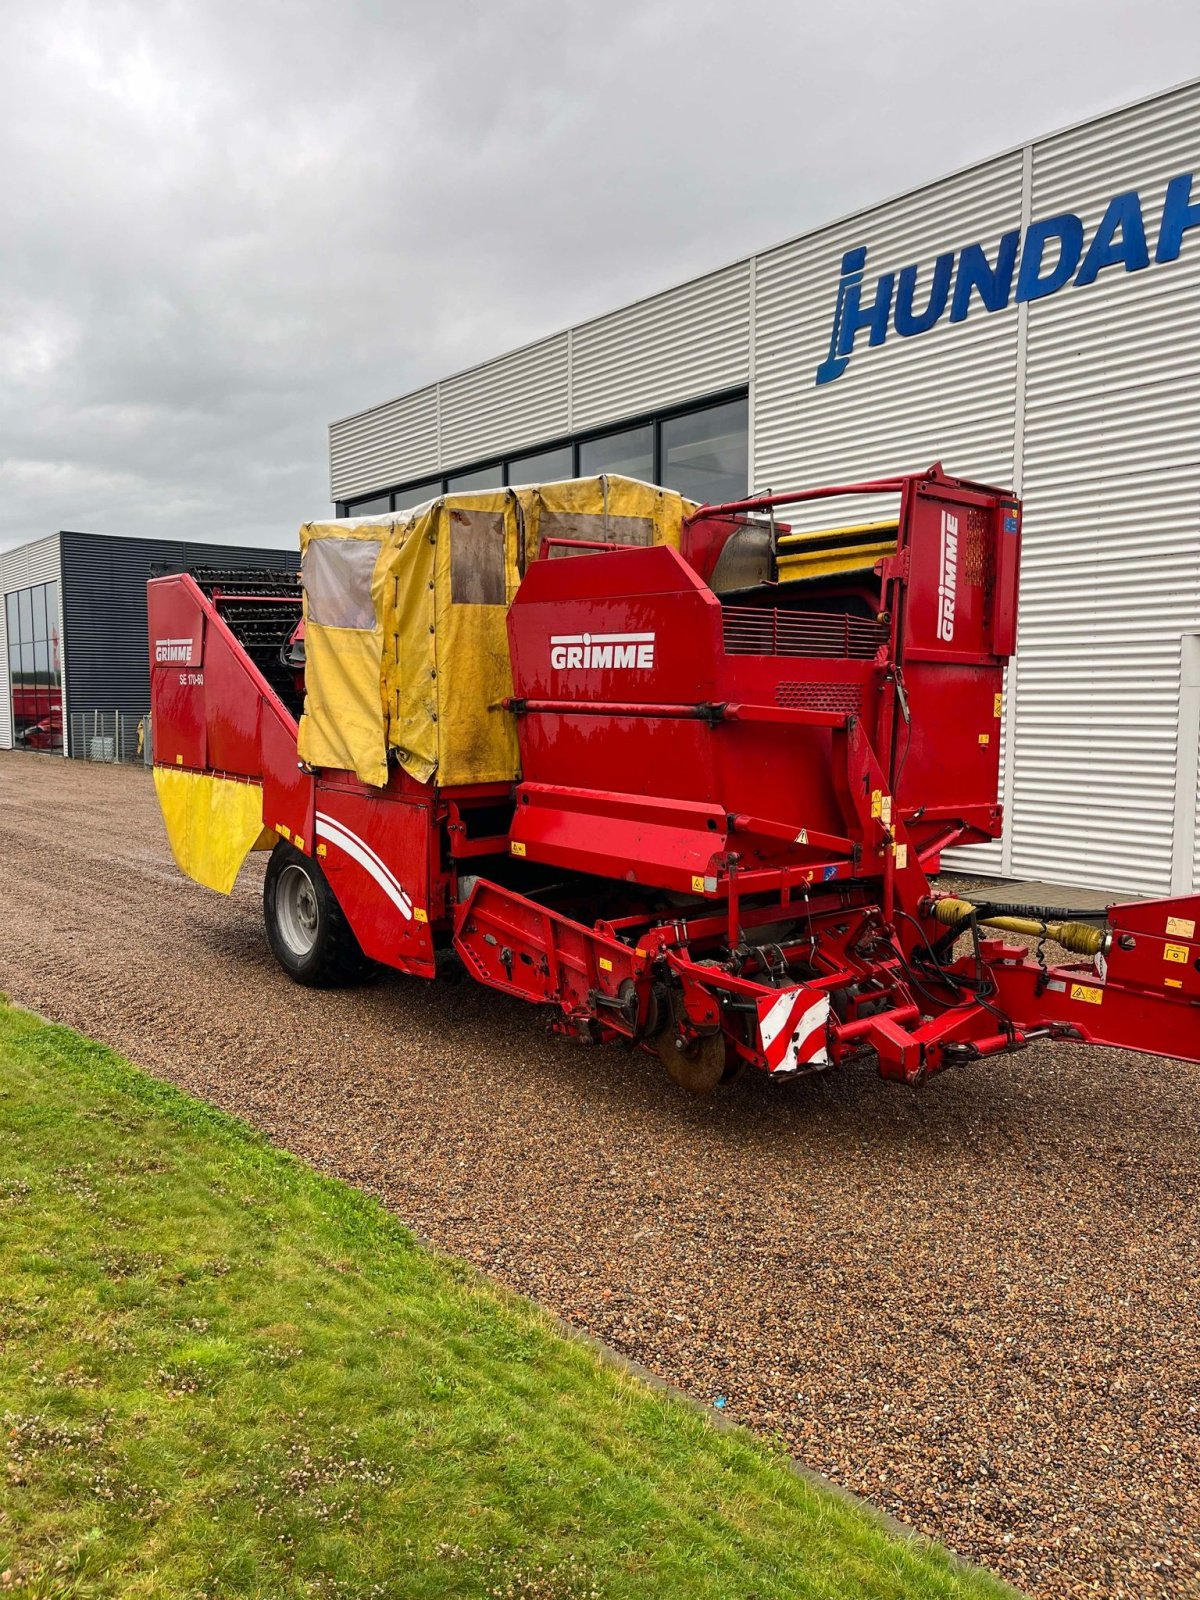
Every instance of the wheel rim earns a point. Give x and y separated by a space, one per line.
296 911
699 1067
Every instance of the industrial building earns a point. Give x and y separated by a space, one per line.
73 629
1030 321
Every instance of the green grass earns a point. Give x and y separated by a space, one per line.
224 1375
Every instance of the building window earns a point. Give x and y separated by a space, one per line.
479 478
34 667
369 507
628 451
416 494
705 453
543 466
700 451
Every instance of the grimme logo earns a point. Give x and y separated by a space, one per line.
1048 254
174 650
948 577
601 650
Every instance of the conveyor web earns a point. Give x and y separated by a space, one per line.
831 552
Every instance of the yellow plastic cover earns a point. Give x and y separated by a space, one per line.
343 721
603 510
406 643
212 824
448 575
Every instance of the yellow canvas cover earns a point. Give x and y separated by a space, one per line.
343 720
406 642
449 573
602 510
212 824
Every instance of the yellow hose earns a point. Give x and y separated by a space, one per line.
1079 937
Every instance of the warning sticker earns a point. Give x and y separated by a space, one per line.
517 848
876 801
985 738
1175 952
697 884
885 810
1180 928
1084 991
901 855
998 705
1173 983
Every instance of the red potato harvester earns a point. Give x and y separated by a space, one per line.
712 760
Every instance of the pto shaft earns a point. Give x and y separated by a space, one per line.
1078 937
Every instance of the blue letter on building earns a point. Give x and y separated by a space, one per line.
849 317
907 325
1124 215
975 271
1178 216
1068 230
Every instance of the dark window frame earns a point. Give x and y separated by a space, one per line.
346 508
40 687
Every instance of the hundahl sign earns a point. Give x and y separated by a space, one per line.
1052 253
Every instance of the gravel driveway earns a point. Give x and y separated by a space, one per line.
975 1303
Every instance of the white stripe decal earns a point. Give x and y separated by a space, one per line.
358 850
341 831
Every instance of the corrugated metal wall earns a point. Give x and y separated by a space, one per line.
103 598
675 347
947 395
1086 401
385 445
28 564
514 401
1112 509
692 341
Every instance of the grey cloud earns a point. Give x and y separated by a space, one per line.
227 224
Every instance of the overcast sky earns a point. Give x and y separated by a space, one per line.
226 224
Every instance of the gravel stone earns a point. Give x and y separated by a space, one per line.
974 1304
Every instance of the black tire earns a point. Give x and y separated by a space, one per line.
306 928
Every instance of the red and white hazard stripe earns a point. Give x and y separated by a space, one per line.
793 1030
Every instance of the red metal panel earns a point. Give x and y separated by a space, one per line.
950 543
511 943
1008 571
948 753
177 625
374 847
232 707
288 790
662 842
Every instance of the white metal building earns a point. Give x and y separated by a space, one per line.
1033 320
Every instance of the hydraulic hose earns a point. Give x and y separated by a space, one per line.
1074 936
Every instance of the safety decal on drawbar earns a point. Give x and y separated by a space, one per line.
1086 992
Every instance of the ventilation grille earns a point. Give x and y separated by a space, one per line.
844 699
754 631
975 563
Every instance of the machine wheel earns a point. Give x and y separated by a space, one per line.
306 928
700 1067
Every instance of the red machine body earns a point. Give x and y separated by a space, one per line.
730 802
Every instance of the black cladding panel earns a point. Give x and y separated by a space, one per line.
104 610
